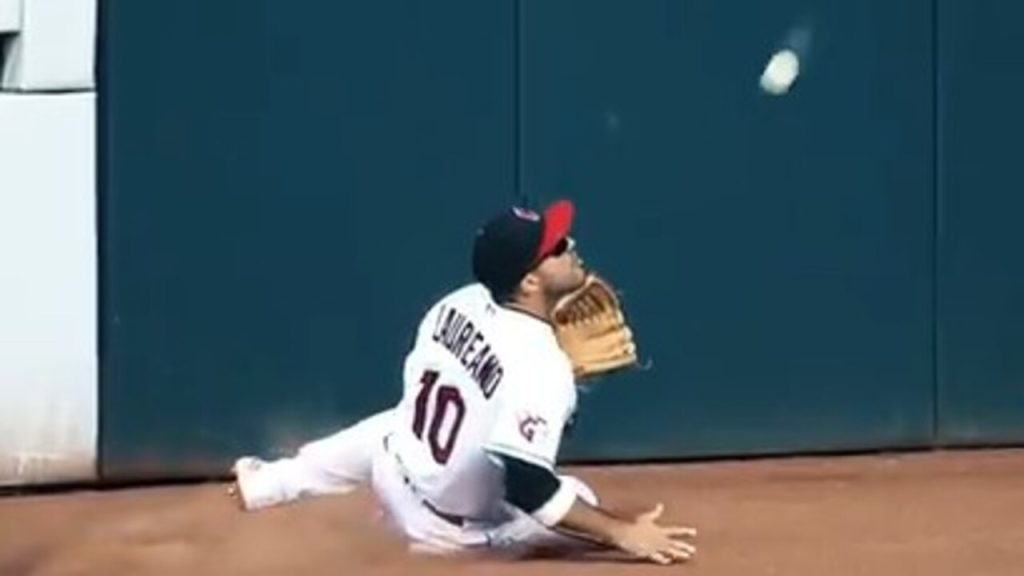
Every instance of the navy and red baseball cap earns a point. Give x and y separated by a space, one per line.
515 240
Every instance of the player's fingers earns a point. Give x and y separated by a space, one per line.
684 548
681 531
676 556
660 558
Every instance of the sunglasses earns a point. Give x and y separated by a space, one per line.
564 245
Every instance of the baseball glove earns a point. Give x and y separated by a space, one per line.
592 330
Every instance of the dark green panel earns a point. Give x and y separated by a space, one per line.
285 188
775 253
981 288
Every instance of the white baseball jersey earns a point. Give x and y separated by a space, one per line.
479 378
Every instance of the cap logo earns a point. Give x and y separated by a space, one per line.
525 214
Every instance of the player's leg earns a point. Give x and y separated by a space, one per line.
336 464
524 536
406 515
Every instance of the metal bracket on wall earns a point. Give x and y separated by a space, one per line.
10 25
6 45
47 46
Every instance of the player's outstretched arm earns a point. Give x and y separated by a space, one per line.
641 536
536 489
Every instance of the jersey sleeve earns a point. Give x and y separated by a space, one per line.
532 415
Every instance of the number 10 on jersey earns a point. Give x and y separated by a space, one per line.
436 404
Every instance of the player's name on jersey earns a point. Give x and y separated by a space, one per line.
459 336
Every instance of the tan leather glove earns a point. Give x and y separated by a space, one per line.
592 330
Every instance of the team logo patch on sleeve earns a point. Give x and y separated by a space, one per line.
531 427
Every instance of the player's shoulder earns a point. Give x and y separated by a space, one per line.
549 362
472 292
544 378
472 300
535 359
472 295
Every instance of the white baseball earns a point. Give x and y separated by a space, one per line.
780 72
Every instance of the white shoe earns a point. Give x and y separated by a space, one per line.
251 489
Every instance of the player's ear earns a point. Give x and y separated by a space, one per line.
530 284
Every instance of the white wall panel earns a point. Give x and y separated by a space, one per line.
48 276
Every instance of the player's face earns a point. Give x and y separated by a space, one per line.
562 270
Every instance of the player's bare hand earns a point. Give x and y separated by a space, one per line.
645 538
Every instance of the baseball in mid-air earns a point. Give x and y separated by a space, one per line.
780 72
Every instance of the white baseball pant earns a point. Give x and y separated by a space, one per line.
355 456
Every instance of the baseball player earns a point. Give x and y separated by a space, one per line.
466 460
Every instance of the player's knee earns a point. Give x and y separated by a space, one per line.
583 491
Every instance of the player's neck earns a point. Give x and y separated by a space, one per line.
531 307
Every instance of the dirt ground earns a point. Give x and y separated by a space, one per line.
956 513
